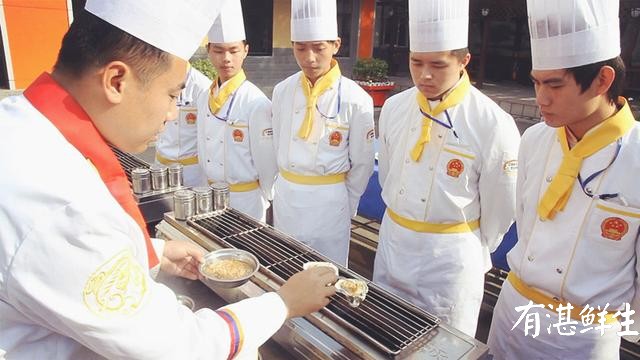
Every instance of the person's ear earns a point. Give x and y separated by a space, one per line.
602 83
336 45
115 79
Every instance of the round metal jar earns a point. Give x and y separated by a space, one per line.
183 204
140 180
159 179
204 199
221 195
175 175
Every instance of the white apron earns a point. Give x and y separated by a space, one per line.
513 344
442 274
251 203
316 215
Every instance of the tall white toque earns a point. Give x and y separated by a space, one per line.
314 20
229 25
438 25
176 27
570 33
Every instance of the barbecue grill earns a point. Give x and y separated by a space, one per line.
382 327
153 204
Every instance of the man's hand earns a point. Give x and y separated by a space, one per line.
308 291
181 258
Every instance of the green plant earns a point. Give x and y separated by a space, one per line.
371 70
205 67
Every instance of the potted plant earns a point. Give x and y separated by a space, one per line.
205 67
371 75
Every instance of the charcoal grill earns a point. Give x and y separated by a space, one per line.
382 327
153 204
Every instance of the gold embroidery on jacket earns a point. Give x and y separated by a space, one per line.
117 287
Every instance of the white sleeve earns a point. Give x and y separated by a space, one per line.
77 274
158 247
361 152
276 103
262 149
497 185
383 150
201 130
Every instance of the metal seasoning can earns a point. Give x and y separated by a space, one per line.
140 180
158 177
220 195
183 204
204 199
175 175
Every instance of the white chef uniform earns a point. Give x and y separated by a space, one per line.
323 176
177 143
235 145
74 282
587 253
466 176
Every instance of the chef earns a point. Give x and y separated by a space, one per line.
323 129
177 143
578 198
76 264
235 136
447 167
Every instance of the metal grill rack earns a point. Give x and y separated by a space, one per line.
390 324
128 162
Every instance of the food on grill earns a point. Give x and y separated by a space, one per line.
312 264
227 269
355 290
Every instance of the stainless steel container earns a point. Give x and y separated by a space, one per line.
204 199
140 180
159 176
220 195
184 204
175 175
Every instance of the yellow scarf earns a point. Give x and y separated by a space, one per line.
312 94
217 102
453 98
559 191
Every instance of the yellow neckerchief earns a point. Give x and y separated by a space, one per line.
312 94
559 191
217 101
453 98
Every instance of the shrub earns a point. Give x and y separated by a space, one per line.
371 70
205 67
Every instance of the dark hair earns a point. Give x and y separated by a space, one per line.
585 74
92 42
460 53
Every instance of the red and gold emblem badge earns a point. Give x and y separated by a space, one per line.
335 138
238 135
455 167
614 228
190 118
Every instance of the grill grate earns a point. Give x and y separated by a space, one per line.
128 162
386 321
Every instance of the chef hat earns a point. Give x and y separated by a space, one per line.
176 27
314 20
570 33
229 25
438 25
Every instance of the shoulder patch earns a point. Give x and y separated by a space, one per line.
117 287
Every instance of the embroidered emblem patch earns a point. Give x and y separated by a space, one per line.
267 132
238 135
190 118
614 228
117 287
455 167
335 138
370 135
510 167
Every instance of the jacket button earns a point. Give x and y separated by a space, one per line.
555 298
588 190
530 258
549 179
406 161
430 168
440 136
559 271
423 200
541 219
401 191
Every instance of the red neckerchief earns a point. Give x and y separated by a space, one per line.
64 112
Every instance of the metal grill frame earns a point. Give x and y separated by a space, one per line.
253 232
